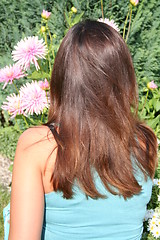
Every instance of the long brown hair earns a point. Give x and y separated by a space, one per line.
93 95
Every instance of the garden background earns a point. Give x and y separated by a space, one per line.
19 19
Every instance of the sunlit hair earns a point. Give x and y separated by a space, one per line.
94 104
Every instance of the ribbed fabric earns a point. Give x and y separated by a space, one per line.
83 218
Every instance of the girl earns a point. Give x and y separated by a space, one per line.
86 174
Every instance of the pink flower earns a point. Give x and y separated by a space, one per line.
45 14
151 85
44 85
34 98
13 105
9 73
110 23
28 51
134 2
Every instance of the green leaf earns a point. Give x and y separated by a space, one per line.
153 122
157 105
6 116
147 106
67 19
39 75
77 18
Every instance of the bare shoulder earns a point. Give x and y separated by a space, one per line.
37 144
36 134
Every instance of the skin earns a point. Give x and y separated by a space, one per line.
29 183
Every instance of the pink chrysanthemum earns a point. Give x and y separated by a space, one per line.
13 105
45 14
34 98
110 23
9 73
28 51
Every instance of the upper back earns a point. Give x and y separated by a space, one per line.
86 218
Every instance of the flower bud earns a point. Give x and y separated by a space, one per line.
44 85
43 29
134 2
151 85
45 14
74 10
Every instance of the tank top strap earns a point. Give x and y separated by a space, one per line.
51 127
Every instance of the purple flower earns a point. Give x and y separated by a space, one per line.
28 51
9 73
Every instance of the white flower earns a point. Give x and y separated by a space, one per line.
110 23
155 181
154 225
156 232
149 214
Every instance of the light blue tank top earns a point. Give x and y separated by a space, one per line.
84 218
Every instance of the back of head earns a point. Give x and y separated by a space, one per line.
93 72
93 89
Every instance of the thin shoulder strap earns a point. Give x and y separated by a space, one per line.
52 128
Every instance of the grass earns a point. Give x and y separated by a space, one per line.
4 200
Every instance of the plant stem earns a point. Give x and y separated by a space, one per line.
43 111
124 29
25 120
102 9
18 126
48 53
42 117
129 24
145 101
16 87
51 39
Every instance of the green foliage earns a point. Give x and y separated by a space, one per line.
18 19
38 75
149 108
72 20
8 139
22 18
144 41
